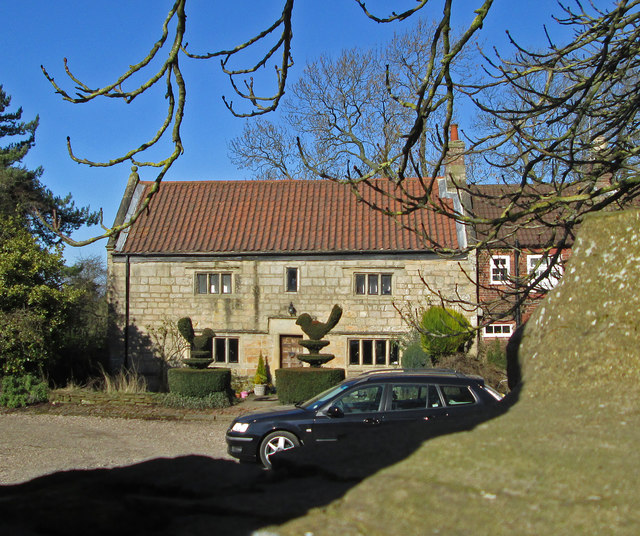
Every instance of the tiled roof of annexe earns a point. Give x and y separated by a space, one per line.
245 217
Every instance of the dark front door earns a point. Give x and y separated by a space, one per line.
289 349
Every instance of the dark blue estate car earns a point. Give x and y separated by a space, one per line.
374 399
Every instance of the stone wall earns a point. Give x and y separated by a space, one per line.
257 309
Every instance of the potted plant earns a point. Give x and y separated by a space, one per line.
260 379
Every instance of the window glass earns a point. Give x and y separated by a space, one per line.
367 352
214 283
220 350
233 350
385 287
419 396
363 400
201 283
226 283
361 282
354 352
394 353
372 280
381 352
292 280
456 395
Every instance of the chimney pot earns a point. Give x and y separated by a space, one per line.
454 132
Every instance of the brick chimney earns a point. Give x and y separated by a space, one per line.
455 171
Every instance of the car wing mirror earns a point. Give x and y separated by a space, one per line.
335 412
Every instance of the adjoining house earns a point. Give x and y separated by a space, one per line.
518 265
245 258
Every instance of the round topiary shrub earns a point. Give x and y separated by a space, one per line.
199 382
444 332
302 383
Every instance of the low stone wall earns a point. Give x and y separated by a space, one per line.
89 398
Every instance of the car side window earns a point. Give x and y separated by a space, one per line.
456 395
418 396
363 400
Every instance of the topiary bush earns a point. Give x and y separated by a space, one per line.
212 401
302 383
18 391
199 382
444 332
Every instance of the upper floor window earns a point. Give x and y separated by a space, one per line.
373 284
539 266
500 269
214 283
292 280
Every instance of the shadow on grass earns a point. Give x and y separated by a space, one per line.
197 495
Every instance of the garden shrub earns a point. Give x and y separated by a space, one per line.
18 391
497 355
199 382
302 383
413 356
444 332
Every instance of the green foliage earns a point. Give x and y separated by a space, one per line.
497 355
261 377
18 391
185 327
37 308
199 383
444 332
299 384
413 356
211 401
21 192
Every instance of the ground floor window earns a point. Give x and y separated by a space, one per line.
498 330
374 352
225 350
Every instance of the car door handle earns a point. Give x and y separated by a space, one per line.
371 420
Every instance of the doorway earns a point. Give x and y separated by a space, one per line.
289 348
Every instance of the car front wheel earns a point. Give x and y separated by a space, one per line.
275 442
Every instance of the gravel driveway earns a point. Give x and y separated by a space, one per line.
35 445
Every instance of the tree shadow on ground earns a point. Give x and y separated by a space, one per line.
197 495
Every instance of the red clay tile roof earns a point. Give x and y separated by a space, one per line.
276 217
490 200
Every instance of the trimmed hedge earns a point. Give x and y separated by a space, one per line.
199 382
302 383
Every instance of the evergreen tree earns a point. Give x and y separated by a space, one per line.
21 192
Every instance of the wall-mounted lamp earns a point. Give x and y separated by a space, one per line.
292 309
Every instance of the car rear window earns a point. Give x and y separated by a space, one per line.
457 395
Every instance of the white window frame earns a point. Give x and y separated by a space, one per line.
286 279
501 333
507 265
536 265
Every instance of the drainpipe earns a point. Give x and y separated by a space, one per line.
518 312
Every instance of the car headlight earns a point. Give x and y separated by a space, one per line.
240 427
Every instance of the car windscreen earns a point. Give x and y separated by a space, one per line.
319 400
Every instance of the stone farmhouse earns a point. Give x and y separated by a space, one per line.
245 258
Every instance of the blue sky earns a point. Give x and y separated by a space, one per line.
100 39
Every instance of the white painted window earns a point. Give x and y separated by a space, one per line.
498 330
225 349
500 266
537 265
